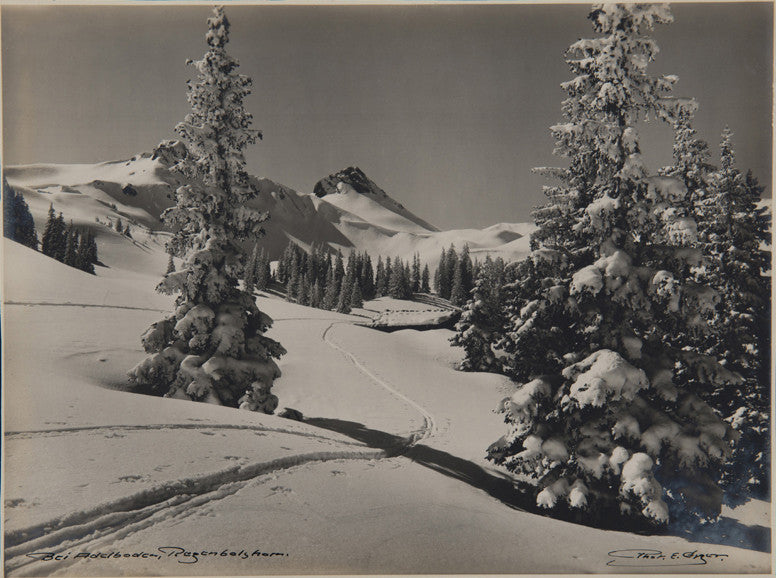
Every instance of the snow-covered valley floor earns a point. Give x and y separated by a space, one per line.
385 475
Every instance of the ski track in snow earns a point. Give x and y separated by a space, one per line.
193 426
175 500
49 304
114 520
429 424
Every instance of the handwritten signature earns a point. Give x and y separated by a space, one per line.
645 557
185 556
180 555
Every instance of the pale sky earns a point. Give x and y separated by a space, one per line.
447 108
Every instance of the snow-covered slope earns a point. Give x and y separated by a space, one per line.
139 189
346 211
386 474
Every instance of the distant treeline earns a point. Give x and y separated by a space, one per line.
328 281
17 220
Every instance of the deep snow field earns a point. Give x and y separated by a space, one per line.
385 475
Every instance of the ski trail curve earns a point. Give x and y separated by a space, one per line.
429 423
130 514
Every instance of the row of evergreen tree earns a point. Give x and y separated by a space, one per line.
398 279
320 279
258 273
454 277
17 219
68 244
317 278
639 326
65 243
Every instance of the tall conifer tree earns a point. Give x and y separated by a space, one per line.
602 421
213 347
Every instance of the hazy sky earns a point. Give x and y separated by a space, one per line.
447 108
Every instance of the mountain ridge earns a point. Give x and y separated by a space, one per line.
346 210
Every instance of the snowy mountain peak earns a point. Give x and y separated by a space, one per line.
344 188
352 176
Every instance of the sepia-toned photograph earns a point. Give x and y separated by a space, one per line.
297 288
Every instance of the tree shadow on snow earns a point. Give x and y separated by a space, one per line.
733 533
508 491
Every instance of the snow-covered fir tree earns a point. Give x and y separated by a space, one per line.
462 278
71 245
384 288
304 289
379 276
482 321
331 291
600 422
294 274
731 229
399 282
367 278
261 270
54 241
281 274
86 255
736 230
49 233
447 269
60 242
356 300
690 153
441 278
415 277
316 297
213 348
425 287
345 294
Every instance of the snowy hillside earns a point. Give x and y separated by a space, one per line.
346 211
387 467
139 189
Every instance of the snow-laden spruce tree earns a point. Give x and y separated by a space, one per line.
736 230
482 320
730 257
213 347
604 302
690 153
